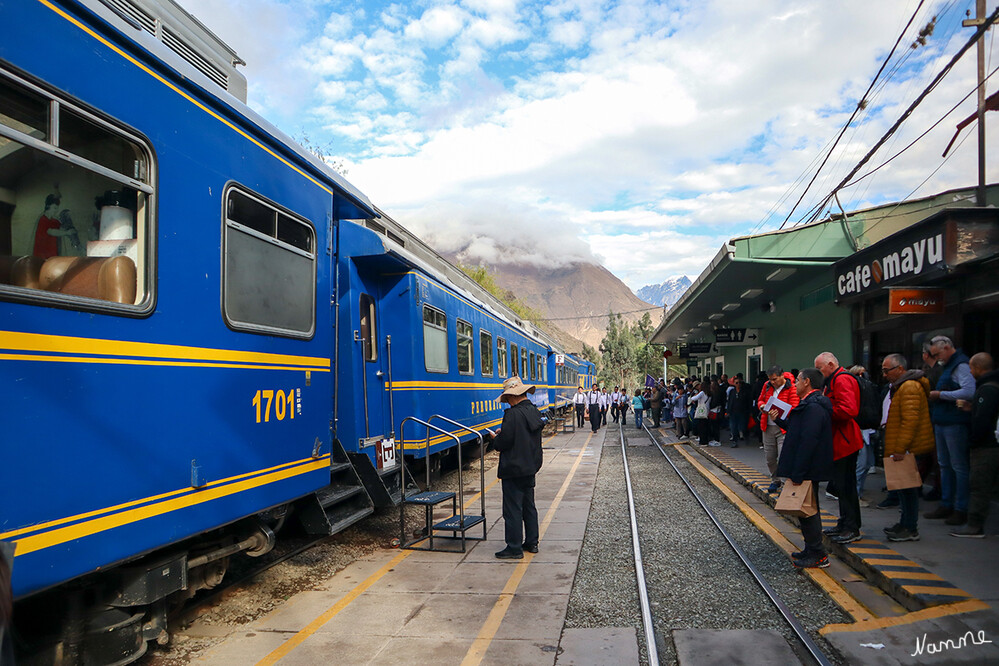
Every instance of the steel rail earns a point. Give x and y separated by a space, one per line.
802 634
643 592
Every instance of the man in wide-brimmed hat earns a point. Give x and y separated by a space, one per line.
519 444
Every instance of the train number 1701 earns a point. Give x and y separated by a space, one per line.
285 404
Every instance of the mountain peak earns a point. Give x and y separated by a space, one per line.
667 293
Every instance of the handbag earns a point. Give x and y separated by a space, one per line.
797 500
902 474
702 411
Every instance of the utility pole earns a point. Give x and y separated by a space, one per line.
974 23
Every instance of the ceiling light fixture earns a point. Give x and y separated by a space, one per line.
781 274
751 293
716 316
731 306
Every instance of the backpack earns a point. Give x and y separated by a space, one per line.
869 416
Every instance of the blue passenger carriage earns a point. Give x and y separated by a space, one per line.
424 340
166 332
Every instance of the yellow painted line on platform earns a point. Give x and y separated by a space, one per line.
909 618
285 648
836 592
481 643
911 575
886 562
938 591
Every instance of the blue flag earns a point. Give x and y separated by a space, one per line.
650 381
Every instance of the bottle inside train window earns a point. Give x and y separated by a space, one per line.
75 204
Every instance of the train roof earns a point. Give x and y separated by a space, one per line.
183 43
402 242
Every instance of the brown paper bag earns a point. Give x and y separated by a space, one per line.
797 500
902 474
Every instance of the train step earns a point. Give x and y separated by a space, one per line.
339 505
383 485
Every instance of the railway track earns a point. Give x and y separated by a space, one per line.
808 647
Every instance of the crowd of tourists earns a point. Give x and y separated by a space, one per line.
935 427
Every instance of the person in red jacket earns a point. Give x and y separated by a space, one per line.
843 390
781 383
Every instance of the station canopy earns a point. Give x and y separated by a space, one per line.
751 270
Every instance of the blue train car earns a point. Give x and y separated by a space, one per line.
204 330
422 339
166 333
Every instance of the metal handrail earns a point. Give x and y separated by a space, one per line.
402 458
482 469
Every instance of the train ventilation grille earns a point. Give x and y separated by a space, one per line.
175 42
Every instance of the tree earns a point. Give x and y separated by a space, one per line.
617 351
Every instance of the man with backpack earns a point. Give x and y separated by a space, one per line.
843 391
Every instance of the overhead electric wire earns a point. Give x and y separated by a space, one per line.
928 130
859 107
926 91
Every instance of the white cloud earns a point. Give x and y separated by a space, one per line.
672 127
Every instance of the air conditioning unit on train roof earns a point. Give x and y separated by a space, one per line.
186 36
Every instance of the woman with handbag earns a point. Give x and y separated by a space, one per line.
908 432
700 401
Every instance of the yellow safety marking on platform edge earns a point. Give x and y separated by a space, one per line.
911 575
936 591
482 642
285 648
902 562
909 618
832 588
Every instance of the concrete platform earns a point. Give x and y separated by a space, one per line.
416 607
950 586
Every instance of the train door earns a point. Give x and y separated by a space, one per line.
373 373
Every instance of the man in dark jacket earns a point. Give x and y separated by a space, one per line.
807 455
519 444
658 394
737 407
984 449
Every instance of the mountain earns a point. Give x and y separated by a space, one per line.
667 293
576 297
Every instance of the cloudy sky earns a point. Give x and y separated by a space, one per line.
642 135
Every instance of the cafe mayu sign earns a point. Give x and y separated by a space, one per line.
895 264
920 254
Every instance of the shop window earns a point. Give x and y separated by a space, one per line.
75 203
501 357
268 283
514 360
368 333
434 340
466 362
486 353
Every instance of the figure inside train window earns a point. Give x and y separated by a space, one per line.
53 226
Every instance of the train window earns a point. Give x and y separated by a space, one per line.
486 353
541 368
75 203
268 284
434 339
501 357
514 359
524 371
534 367
466 362
369 336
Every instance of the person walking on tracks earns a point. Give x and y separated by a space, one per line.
638 402
519 443
623 405
807 455
579 401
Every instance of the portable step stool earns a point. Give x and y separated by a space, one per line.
458 523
